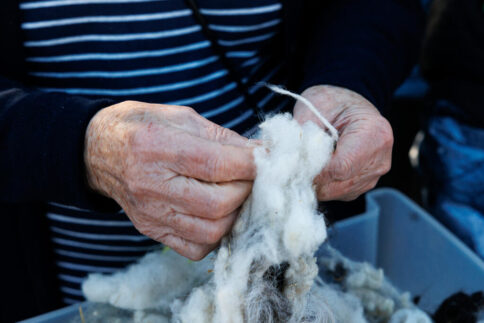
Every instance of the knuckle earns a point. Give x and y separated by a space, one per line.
386 132
349 198
174 220
215 165
220 133
144 227
341 170
385 168
217 207
197 252
197 255
214 234
188 110
370 186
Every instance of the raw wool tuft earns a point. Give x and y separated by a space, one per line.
151 284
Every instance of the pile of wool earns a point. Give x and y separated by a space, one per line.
378 299
346 292
153 283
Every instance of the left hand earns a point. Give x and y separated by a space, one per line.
364 150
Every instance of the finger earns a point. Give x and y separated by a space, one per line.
346 190
338 191
206 200
357 166
187 248
200 230
207 160
349 159
191 155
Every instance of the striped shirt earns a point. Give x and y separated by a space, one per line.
151 51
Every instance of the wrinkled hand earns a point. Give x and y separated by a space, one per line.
179 177
364 149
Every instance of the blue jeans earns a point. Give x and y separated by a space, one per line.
452 163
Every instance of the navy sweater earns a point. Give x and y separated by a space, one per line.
366 46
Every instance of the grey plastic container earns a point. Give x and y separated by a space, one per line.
416 252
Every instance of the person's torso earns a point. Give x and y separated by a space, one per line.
152 51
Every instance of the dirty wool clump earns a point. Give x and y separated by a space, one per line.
343 281
264 270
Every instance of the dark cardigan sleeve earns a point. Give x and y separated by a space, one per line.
42 143
366 46
41 134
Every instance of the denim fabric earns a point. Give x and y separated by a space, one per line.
452 161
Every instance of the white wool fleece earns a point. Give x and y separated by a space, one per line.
152 283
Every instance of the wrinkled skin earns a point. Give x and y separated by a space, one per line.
179 177
364 150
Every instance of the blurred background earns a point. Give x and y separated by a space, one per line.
437 117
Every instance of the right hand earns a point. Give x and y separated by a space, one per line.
179 177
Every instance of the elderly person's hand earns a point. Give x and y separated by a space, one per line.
179 177
364 149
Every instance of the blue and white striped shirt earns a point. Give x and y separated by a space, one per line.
151 51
